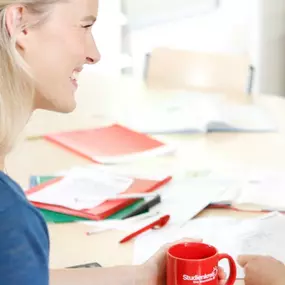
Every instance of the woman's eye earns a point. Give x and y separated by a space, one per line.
87 26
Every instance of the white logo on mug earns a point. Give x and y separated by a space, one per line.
202 278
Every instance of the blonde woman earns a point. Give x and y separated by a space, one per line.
43 46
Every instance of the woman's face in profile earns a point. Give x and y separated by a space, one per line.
57 49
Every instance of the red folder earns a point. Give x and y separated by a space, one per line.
105 209
110 141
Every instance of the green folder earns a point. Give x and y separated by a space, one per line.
55 217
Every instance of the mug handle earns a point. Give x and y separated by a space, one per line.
233 269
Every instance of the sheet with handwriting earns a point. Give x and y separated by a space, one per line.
261 236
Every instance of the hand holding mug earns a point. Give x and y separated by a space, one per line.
193 263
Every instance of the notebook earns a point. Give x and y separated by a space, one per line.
110 145
102 211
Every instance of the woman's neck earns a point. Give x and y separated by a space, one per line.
2 164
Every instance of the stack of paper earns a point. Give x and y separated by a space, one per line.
82 190
92 193
56 217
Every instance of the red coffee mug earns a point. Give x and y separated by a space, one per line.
196 263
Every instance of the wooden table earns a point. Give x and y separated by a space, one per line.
100 97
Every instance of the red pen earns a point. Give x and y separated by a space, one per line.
156 224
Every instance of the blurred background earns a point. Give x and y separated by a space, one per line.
128 31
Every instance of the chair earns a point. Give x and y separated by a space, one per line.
199 71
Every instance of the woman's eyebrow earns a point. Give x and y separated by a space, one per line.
89 18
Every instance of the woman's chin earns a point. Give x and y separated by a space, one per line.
60 103
60 107
65 108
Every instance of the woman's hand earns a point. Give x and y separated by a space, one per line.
262 270
154 270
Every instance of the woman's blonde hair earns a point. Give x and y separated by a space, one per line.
16 84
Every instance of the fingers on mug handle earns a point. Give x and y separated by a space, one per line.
233 269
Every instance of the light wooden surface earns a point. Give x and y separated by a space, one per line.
216 72
98 99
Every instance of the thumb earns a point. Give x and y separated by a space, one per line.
244 259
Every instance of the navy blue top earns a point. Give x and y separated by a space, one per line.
24 240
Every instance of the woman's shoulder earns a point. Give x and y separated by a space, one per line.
17 215
24 240
15 208
10 193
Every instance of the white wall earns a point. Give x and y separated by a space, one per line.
153 12
223 30
109 27
271 40
256 27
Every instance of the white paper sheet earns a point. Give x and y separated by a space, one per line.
147 244
82 189
258 237
184 198
265 189
261 236
130 224
268 192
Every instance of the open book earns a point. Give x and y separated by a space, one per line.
193 114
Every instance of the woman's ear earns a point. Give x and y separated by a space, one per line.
15 23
